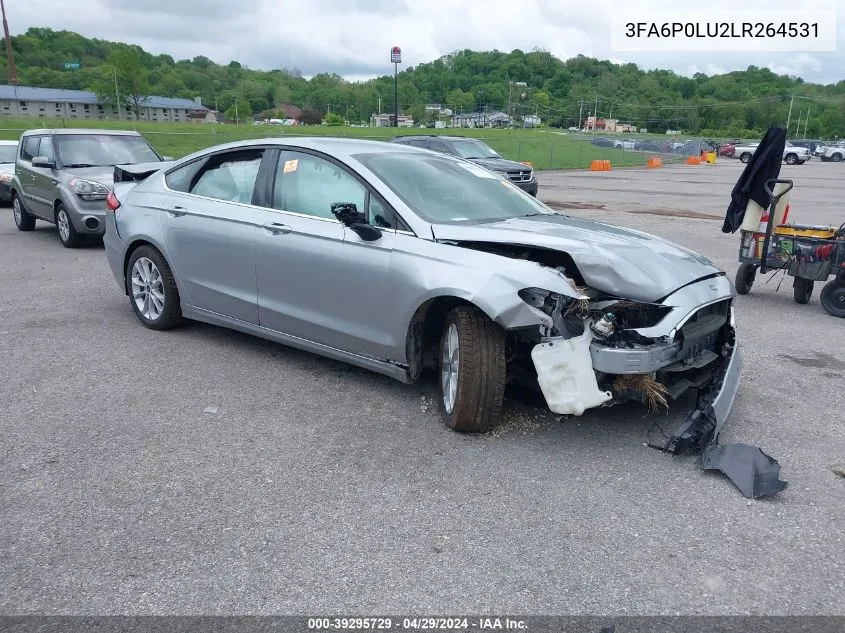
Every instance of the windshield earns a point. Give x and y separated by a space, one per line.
103 150
470 148
441 189
8 153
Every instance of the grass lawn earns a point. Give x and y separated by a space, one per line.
544 148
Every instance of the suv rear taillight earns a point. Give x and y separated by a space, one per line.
112 203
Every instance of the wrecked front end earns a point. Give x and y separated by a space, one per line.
598 350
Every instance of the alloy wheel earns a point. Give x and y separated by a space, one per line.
147 289
449 359
64 225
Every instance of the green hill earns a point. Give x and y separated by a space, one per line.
735 104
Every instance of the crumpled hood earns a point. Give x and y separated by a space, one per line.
619 261
499 164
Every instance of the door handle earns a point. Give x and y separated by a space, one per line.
276 228
176 211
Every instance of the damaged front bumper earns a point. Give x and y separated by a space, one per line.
571 371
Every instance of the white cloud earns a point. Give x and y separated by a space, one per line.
353 37
800 65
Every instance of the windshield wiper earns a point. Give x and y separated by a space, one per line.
79 165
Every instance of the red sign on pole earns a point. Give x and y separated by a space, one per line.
396 55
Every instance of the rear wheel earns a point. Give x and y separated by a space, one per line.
802 290
836 157
67 234
23 220
745 276
472 371
832 298
152 289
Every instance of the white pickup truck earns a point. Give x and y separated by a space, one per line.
834 152
792 154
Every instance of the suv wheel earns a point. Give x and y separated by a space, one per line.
152 289
745 158
23 220
67 234
791 159
836 157
472 371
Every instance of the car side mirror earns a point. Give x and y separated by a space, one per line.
43 161
348 215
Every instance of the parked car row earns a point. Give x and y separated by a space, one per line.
397 259
792 154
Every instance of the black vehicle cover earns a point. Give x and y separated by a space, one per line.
763 166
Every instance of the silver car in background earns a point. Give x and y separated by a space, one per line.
8 154
399 260
63 176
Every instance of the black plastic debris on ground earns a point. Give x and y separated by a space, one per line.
750 469
753 472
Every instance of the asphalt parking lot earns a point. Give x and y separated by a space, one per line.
201 471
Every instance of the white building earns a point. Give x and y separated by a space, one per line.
53 103
482 119
386 120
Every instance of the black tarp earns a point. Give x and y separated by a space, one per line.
764 166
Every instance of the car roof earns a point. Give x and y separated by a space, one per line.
75 131
334 146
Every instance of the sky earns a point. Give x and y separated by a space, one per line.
353 37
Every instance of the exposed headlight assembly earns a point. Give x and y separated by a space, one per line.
5 178
88 189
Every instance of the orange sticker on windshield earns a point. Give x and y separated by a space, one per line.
291 165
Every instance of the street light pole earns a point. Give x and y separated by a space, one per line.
396 58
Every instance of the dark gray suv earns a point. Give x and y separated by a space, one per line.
63 176
472 149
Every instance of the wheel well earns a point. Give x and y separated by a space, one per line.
424 333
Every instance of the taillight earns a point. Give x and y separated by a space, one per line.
112 203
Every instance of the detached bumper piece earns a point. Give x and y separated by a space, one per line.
753 472
750 469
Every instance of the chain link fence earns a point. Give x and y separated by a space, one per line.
545 148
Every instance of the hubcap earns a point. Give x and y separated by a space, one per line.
64 225
449 358
16 209
147 288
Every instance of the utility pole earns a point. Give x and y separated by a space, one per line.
789 116
10 55
117 94
596 115
581 112
807 121
797 127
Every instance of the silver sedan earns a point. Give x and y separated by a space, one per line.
402 260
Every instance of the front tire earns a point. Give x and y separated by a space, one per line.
745 276
745 158
152 289
836 158
802 290
472 371
23 220
791 159
67 234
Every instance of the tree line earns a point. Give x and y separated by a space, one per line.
562 92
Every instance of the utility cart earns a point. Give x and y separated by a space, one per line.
806 253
